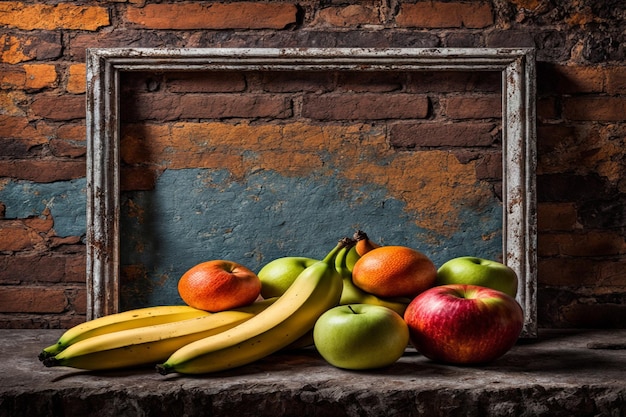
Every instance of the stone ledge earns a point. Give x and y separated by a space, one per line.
562 373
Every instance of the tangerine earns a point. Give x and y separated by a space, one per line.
219 285
394 271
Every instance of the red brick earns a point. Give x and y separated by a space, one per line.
527 4
216 106
75 268
43 170
40 75
240 15
547 108
616 80
567 271
42 224
464 107
21 48
455 82
556 217
428 134
587 244
434 14
76 79
373 82
56 241
72 131
489 166
12 127
364 106
572 79
215 82
59 107
64 148
15 236
32 300
352 15
12 102
11 77
23 16
78 302
211 106
595 108
551 138
77 43
32 269
69 141
152 107
13 49
283 82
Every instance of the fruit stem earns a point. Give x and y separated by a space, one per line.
360 235
163 370
347 242
50 362
350 307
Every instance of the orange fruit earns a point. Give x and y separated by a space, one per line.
394 271
219 285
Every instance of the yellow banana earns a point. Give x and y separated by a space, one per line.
131 319
150 344
292 316
351 294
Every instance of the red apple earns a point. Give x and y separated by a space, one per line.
463 324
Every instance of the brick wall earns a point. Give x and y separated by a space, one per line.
581 129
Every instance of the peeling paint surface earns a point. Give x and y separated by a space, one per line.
239 192
66 201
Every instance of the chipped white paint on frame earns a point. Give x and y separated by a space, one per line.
104 66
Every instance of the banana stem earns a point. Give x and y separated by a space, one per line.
347 242
50 351
50 362
163 370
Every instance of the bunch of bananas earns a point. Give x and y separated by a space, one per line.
184 340
141 337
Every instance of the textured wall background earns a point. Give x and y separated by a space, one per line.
252 166
581 131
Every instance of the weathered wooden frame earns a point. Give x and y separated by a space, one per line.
104 66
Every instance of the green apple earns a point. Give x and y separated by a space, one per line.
470 270
278 275
360 336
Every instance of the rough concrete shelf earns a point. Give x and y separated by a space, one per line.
562 373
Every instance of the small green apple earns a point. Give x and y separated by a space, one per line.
360 336
278 275
470 270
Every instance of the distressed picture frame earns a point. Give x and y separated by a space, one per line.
104 66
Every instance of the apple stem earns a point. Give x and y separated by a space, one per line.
350 307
